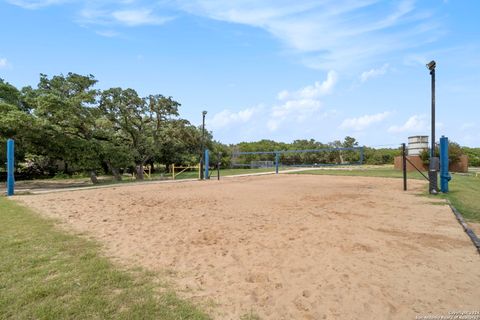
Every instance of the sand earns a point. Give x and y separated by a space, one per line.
286 246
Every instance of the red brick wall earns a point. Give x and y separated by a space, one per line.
416 160
459 166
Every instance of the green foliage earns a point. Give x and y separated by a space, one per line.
9 94
295 158
473 156
454 153
381 156
65 124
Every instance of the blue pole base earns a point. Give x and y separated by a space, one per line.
10 167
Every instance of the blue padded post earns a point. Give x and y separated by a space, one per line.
444 174
207 164
10 167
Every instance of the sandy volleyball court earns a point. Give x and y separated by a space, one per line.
287 246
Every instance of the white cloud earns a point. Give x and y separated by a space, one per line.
227 117
373 73
99 15
294 106
416 123
35 4
138 17
314 91
343 34
297 110
329 34
363 122
301 104
3 63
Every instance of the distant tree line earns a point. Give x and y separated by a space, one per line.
331 156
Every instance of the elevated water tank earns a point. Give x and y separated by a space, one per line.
416 144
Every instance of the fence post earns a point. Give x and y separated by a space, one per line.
206 164
444 162
277 158
219 162
404 167
10 167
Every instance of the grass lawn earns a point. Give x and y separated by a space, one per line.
464 189
48 274
464 194
223 172
381 171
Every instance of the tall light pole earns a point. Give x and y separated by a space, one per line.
434 163
204 113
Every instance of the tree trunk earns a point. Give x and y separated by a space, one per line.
140 172
93 177
116 174
115 171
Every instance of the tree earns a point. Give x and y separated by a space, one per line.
142 124
350 155
15 123
454 153
65 107
9 94
128 114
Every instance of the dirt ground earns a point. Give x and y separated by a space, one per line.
287 246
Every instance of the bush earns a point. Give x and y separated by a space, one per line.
381 156
473 156
454 153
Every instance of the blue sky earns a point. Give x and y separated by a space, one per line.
266 69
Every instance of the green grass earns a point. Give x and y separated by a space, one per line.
382 171
49 274
464 194
464 189
223 172
250 316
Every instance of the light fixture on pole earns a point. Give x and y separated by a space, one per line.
434 161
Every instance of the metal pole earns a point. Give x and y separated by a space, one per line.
404 167
432 151
434 163
10 167
203 144
219 161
